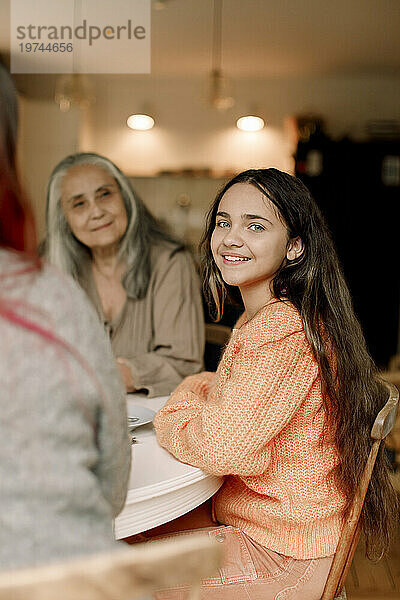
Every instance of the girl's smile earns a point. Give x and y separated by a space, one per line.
234 259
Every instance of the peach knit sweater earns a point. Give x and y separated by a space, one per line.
259 421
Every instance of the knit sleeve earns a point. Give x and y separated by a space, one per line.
257 391
199 384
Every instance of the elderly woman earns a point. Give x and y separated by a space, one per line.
142 282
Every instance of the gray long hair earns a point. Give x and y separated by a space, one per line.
63 249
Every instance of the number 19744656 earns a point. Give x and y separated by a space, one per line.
40 47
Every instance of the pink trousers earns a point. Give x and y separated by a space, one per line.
252 572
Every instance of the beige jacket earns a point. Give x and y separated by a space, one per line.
162 334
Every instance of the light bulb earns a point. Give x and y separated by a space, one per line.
250 123
140 122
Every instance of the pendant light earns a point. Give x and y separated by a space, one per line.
73 89
220 96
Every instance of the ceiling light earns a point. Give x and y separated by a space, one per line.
140 122
250 123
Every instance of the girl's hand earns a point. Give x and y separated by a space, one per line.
126 375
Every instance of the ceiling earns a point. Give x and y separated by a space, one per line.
263 39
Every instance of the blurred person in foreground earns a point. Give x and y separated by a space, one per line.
142 283
64 445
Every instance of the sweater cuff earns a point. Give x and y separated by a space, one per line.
155 379
200 384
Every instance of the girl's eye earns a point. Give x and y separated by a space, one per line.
222 224
256 227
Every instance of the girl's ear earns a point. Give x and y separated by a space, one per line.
294 248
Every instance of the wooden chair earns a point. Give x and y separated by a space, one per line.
383 424
392 375
121 575
394 363
217 334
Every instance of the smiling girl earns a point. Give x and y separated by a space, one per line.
286 418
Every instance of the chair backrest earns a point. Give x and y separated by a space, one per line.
351 530
124 574
217 334
394 363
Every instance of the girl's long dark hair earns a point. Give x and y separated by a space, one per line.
315 285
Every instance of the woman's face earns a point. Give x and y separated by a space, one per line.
93 206
249 242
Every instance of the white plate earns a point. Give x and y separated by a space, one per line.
141 414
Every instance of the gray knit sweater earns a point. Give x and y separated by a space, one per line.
64 448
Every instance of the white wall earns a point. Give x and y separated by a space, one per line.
181 203
46 136
189 133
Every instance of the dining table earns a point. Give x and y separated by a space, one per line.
160 488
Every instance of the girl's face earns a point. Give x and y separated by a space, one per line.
250 242
93 206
